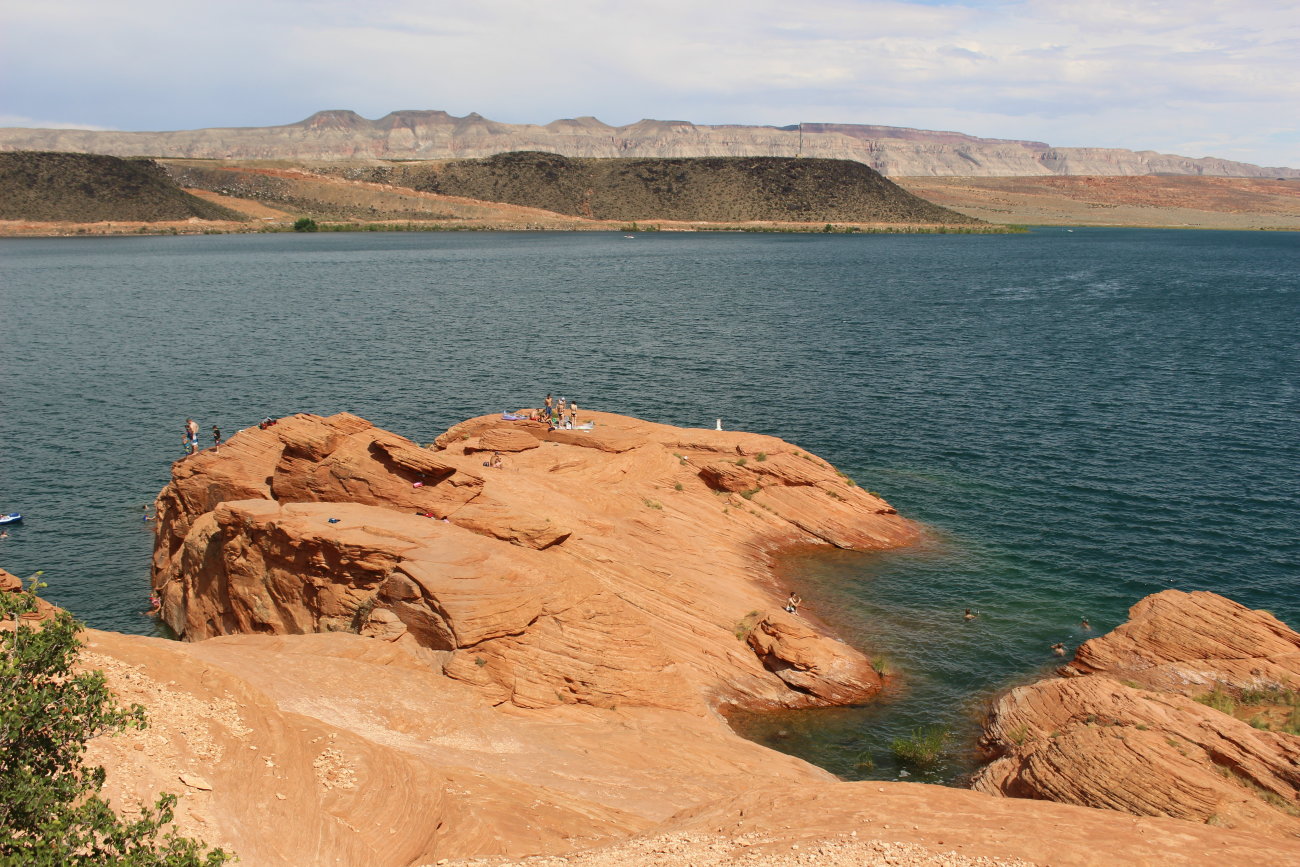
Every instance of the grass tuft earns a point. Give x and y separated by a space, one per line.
923 748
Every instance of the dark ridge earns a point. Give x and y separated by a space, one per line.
707 189
87 188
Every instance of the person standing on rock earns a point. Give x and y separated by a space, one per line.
192 436
550 404
216 437
573 411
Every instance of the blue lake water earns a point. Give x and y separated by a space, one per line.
1081 418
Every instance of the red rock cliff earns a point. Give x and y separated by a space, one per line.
627 564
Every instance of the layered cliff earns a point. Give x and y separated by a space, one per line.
435 135
1188 710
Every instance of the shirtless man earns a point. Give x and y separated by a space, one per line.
192 435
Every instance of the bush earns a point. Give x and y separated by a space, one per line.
305 224
1219 699
923 748
50 809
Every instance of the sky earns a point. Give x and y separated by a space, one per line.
1194 77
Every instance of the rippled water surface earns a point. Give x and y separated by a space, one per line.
1081 418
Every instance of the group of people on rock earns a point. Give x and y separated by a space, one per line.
191 440
560 414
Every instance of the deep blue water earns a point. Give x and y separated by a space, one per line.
1081 418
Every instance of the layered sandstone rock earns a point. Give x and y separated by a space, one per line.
612 566
435 135
1120 732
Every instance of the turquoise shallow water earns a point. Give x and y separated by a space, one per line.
1080 418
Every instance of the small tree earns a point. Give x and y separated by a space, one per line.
50 809
305 224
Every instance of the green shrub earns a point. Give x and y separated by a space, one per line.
1219 699
305 224
923 748
50 809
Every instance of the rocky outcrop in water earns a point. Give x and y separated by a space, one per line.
435 135
605 567
1119 730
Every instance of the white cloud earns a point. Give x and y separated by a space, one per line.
1145 75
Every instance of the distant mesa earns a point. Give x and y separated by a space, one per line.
340 134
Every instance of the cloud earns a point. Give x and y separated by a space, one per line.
34 123
1145 75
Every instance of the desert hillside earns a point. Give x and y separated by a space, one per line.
436 135
88 188
1164 200
710 189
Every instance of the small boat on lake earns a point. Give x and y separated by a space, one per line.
11 518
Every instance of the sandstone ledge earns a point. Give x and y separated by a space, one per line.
1120 732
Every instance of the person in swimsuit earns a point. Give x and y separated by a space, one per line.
1058 648
216 436
969 615
192 435
550 405
573 411
792 604
497 463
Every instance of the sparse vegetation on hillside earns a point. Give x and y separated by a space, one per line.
88 188
710 189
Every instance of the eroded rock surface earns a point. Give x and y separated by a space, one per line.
612 566
1119 730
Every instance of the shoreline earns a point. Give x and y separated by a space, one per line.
25 229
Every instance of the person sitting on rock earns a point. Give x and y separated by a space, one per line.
497 463
792 604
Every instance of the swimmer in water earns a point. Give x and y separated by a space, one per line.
1058 648
1084 624
969 615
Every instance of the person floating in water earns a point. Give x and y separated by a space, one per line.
145 516
792 604
155 604
1058 648
1084 624
969 615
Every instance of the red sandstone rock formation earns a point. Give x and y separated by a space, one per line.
624 565
1120 732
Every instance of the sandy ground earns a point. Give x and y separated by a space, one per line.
1175 202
